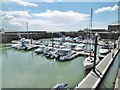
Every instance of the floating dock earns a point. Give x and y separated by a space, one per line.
92 80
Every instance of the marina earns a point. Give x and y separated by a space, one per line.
57 45
30 61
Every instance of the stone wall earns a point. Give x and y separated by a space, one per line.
7 38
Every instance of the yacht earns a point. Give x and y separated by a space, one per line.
22 46
105 50
89 62
51 54
64 54
41 49
80 47
59 86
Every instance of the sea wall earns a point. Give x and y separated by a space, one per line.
8 36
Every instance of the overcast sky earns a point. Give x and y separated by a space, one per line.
49 15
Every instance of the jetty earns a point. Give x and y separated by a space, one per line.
92 80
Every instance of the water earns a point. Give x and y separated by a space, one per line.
25 69
108 81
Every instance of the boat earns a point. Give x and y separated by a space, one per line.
76 39
22 46
101 43
80 47
63 54
41 49
51 54
15 45
59 86
105 50
68 39
88 63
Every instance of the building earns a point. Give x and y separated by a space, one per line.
114 27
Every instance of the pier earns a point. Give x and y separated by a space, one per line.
92 79
117 82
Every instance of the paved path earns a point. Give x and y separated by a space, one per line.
92 80
117 83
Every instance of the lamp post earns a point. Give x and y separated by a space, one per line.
95 50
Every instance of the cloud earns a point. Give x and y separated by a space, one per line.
67 17
49 1
14 19
49 21
24 3
104 9
18 14
7 17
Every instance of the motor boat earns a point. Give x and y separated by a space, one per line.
41 49
80 47
59 86
88 63
105 50
22 47
63 54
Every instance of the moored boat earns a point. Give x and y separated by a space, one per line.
64 54
80 47
105 50
59 86
88 63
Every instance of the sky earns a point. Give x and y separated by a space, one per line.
51 15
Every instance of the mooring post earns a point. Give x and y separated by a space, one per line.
95 50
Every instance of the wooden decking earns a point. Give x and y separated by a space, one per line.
92 80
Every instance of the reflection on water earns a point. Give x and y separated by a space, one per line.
26 69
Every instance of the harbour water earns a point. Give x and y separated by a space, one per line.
26 69
109 79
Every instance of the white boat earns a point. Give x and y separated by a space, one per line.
88 63
64 54
41 49
101 43
59 86
22 47
68 39
104 50
51 54
15 42
15 45
19 44
80 47
76 39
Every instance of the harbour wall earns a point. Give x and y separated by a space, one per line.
7 37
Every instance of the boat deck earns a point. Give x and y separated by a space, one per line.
92 80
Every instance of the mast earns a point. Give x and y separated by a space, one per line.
27 30
91 33
91 19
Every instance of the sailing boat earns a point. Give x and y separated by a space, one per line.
89 61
